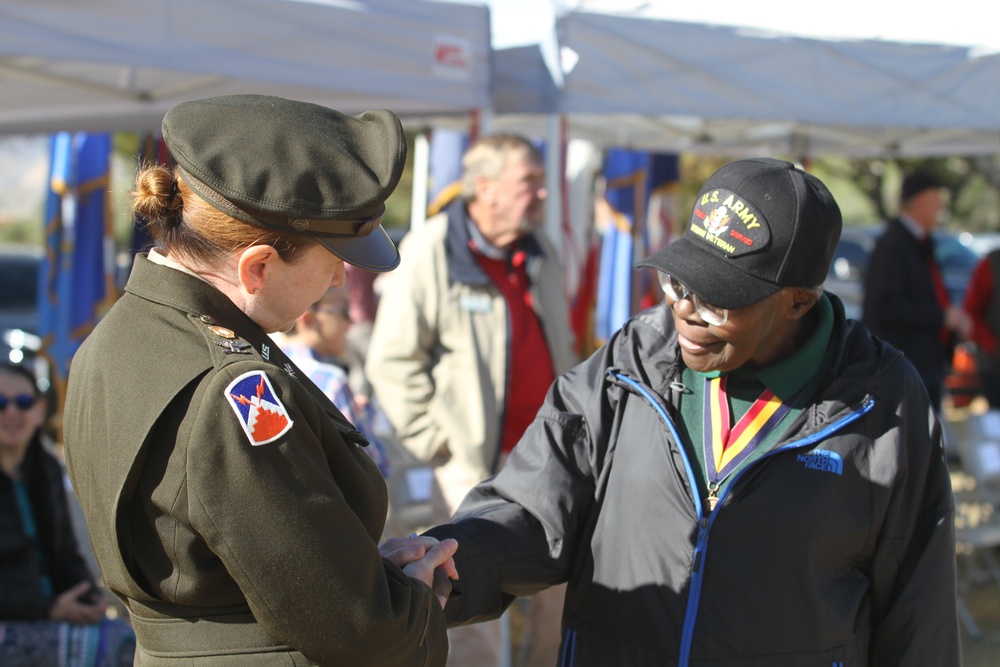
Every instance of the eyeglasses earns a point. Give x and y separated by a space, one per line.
23 402
676 291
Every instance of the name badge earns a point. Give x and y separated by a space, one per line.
475 303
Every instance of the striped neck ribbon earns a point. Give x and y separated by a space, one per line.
727 447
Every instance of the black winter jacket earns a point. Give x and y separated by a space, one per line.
836 548
21 595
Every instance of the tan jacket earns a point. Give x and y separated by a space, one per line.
438 355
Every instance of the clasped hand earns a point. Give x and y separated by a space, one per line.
426 559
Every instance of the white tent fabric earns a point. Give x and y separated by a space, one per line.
665 85
105 65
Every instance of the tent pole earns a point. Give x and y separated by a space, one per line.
554 176
421 169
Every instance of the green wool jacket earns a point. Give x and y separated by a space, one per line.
230 505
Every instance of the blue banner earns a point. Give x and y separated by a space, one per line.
75 273
444 180
628 235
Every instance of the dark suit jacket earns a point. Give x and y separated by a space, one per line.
901 305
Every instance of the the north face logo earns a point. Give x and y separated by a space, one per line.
823 460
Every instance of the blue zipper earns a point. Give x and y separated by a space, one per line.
705 523
568 649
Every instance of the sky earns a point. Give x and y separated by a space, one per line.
954 22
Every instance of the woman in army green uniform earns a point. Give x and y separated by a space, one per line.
230 505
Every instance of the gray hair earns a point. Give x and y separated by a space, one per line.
488 156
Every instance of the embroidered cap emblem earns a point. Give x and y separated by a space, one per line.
729 223
262 415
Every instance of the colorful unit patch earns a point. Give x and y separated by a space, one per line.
263 417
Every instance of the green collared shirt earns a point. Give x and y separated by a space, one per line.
796 376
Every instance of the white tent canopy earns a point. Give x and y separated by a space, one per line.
665 85
104 65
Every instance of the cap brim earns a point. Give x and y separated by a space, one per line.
375 252
712 277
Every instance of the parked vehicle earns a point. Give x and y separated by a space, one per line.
981 243
19 342
19 266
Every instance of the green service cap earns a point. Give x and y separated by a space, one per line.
294 166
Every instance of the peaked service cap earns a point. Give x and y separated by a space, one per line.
757 226
295 166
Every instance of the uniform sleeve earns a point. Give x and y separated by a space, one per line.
518 531
284 518
399 357
914 616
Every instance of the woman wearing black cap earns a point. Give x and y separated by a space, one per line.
231 506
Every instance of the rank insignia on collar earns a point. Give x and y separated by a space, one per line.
261 413
222 332
235 346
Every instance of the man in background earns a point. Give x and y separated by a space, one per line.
906 303
470 332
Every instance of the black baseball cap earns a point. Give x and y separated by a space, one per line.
757 226
294 166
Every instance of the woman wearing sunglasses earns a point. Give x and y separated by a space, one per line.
46 590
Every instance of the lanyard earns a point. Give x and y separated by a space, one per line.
726 448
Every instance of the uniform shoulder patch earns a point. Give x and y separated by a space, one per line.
261 413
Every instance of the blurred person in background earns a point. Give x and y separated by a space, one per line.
469 334
363 305
905 300
982 303
51 612
317 344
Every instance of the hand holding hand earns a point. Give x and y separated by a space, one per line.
436 569
426 559
405 550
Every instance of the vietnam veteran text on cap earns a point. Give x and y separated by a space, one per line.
758 225
294 166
